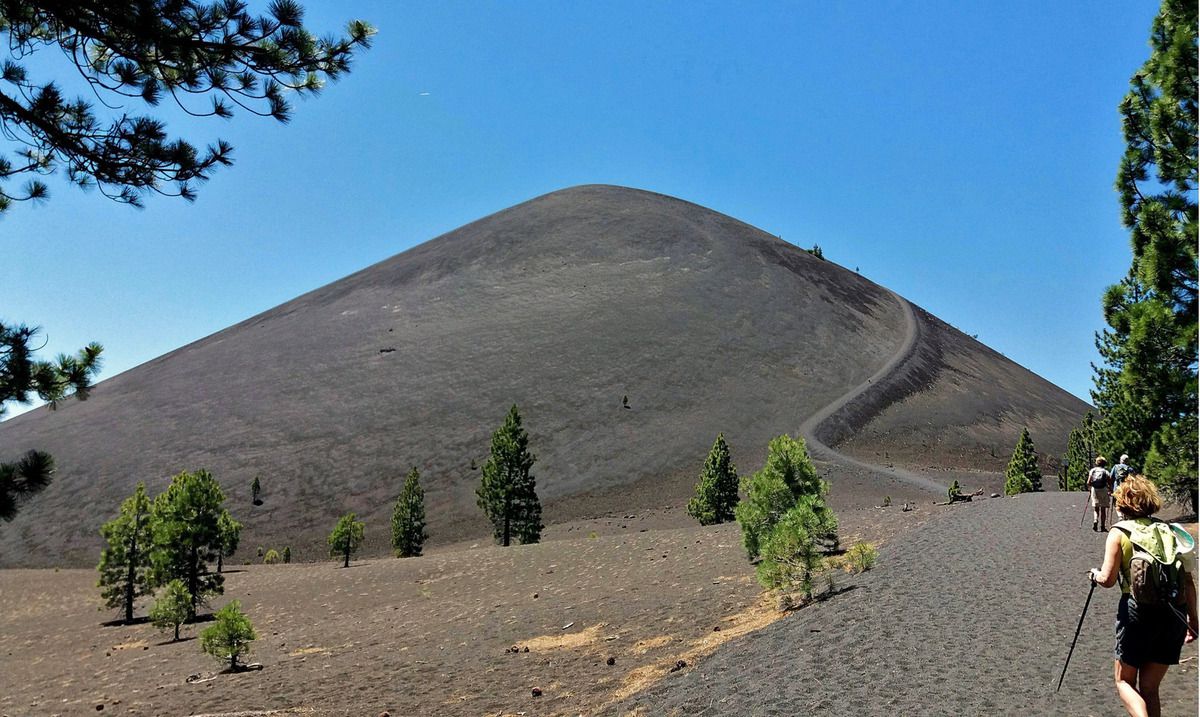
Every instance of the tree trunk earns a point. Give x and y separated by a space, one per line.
176 632
507 519
220 559
194 582
132 558
346 564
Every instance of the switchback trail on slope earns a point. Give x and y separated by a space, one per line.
818 449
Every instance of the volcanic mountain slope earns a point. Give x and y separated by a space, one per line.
564 305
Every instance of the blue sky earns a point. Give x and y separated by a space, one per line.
961 154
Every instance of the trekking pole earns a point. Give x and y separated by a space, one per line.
1086 502
1092 579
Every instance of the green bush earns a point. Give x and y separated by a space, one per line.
230 636
287 554
272 557
861 557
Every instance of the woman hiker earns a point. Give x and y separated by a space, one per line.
1099 482
1150 636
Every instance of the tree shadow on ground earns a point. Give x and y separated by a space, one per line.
120 622
172 642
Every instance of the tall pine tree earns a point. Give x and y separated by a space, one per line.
125 561
1023 474
507 490
187 535
1082 449
717 491
1147 390
408 518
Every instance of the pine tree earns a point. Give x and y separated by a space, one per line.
346 537
408 518
255 490
193 53
18 481
125 567
230 636
507 490
717 491
1148 391
171 608
1082 449
231 534
23 377
791 555
1023 474
787 478
187 535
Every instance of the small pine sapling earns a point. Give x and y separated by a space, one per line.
346 538
255 491
171 608
272 557
287 554
230 635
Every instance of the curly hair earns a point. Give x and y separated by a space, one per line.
1137 497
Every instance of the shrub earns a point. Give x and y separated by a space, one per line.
171 608
887 500
954 491
230 636
287 554
272 557
860 558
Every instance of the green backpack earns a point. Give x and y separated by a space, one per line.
1155 570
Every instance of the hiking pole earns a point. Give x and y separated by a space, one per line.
1092 579
1086 504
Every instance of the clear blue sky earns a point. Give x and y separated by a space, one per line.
961 154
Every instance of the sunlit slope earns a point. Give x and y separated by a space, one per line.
563 305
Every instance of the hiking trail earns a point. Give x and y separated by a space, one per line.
864 392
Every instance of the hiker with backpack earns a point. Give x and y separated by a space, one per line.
1119 471
1099 482
1154 563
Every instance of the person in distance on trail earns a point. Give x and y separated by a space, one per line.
1157 611
1099 482
1119 471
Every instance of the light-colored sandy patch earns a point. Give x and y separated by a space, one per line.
308 651
135 645
757 616
565 640
644 646
262 713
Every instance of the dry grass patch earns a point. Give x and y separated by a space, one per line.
568 640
